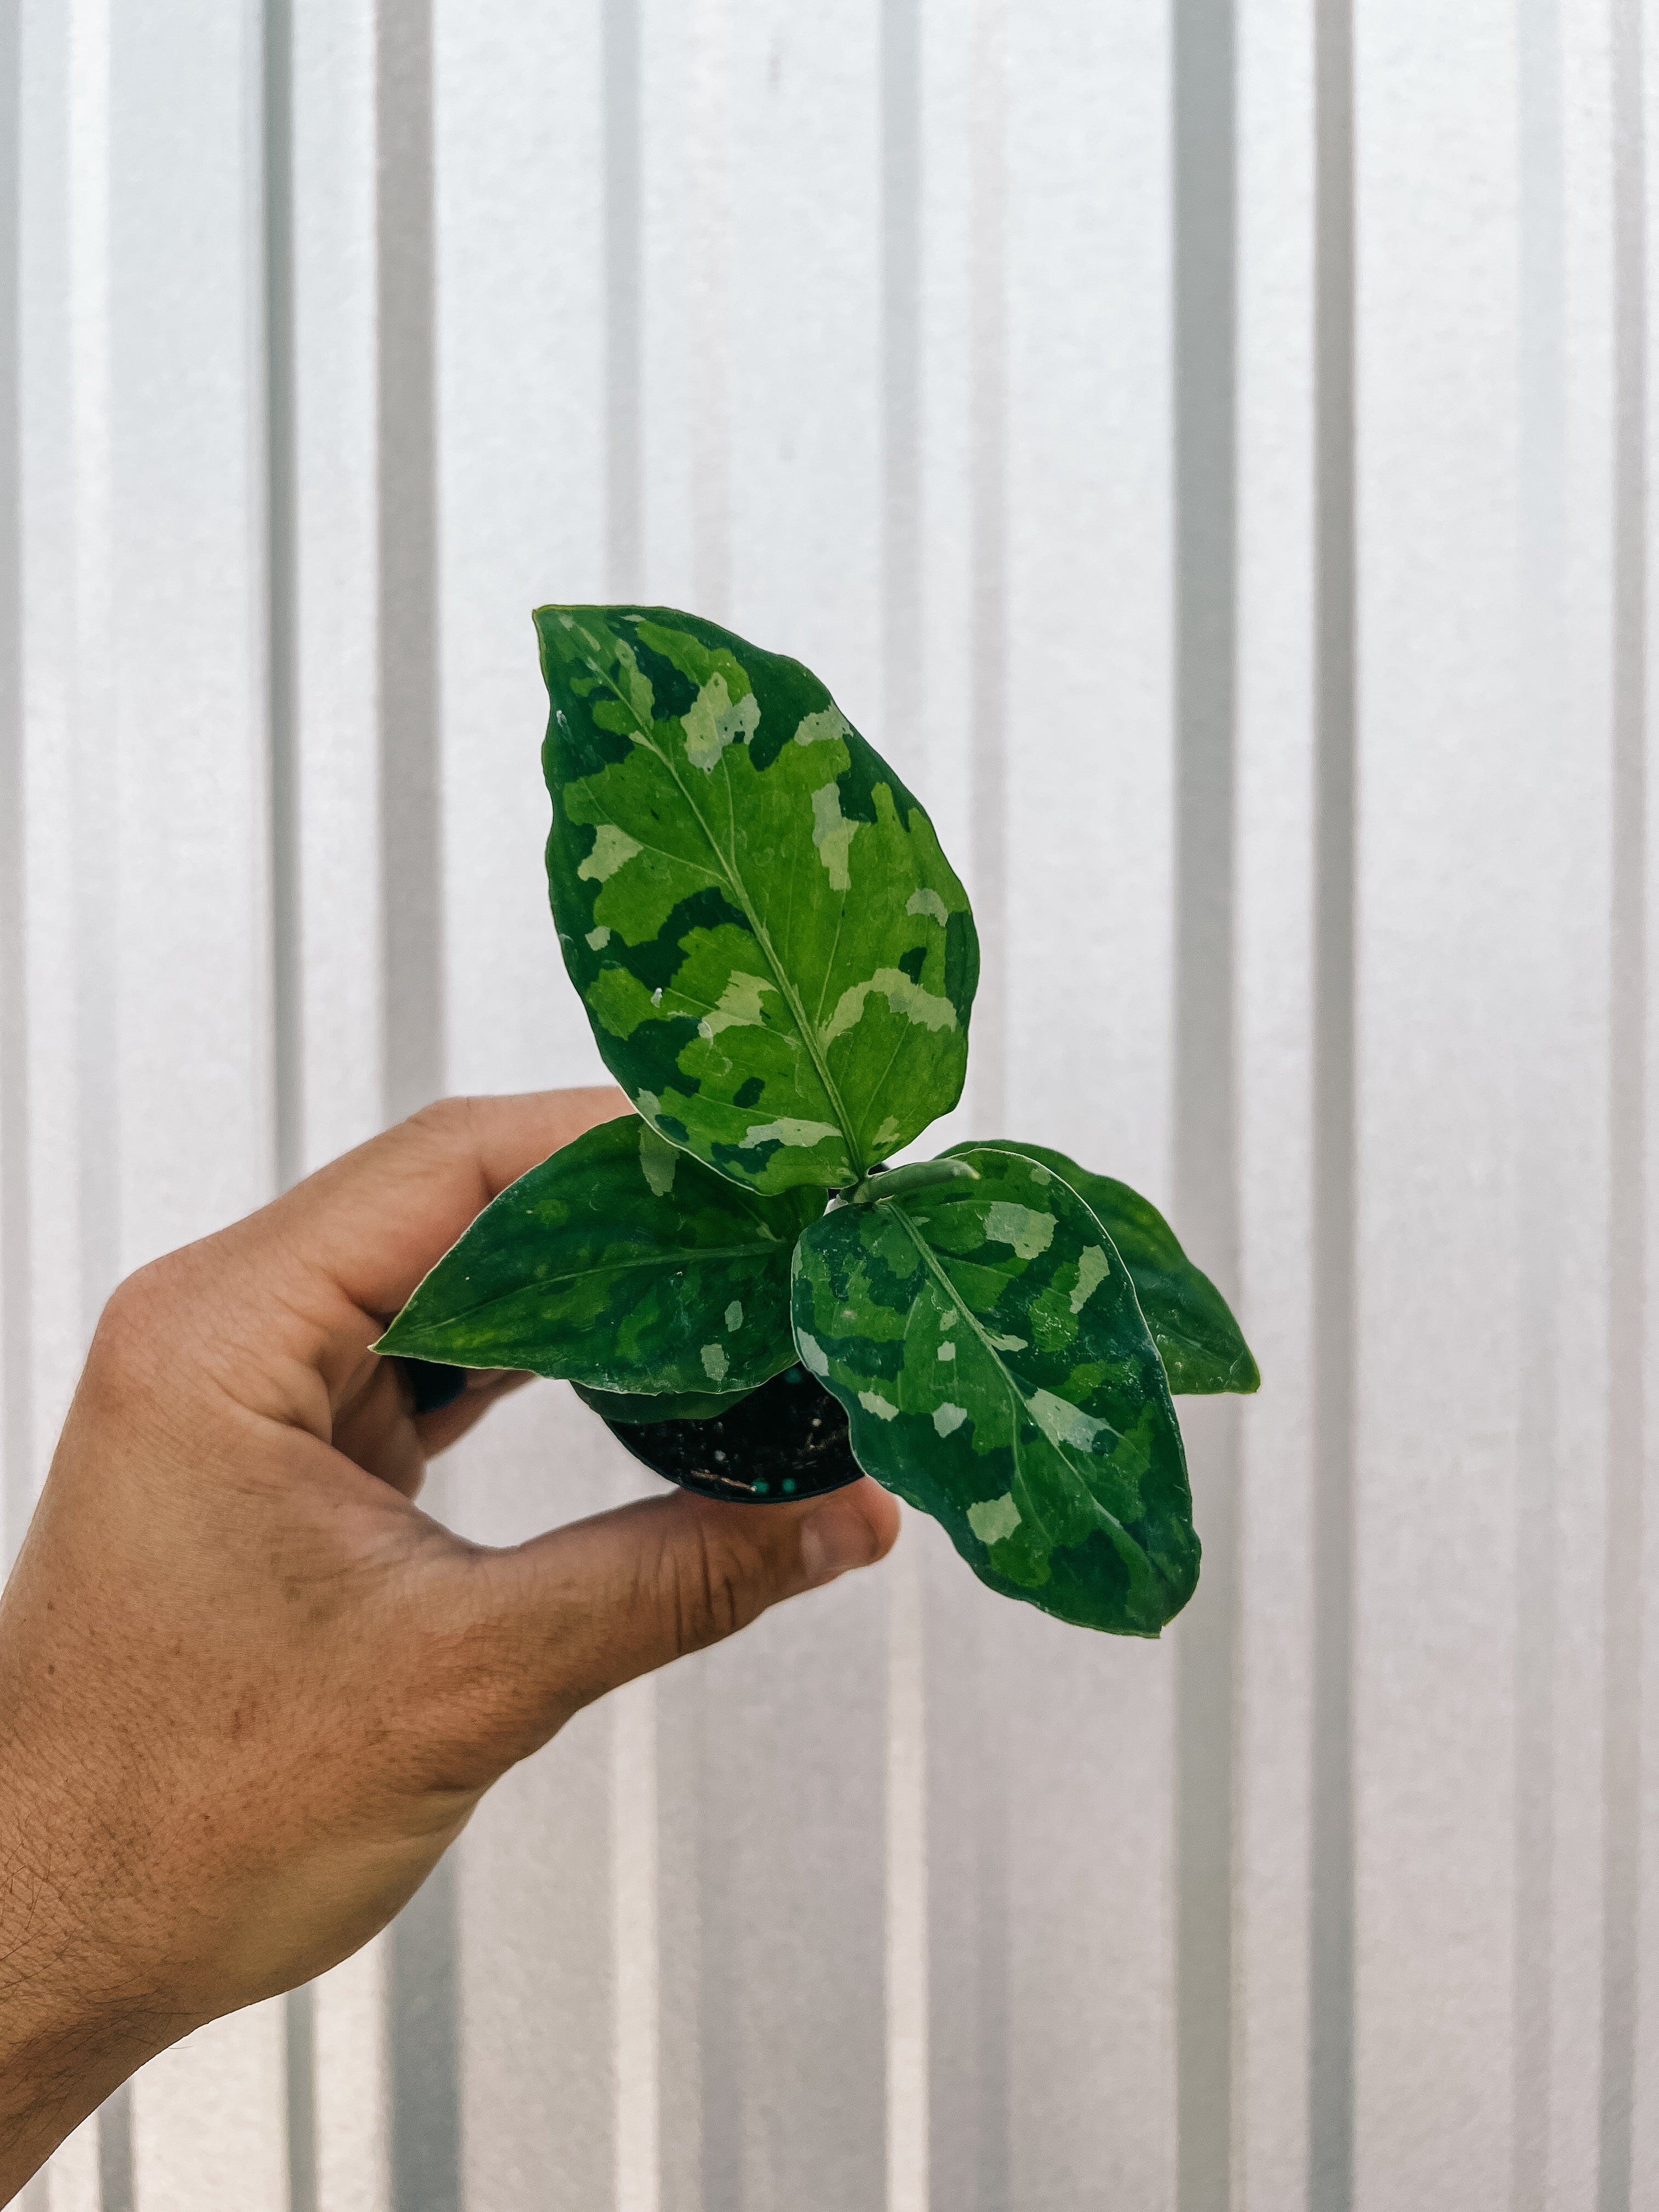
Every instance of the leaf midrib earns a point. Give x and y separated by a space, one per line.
735 883
677 1256
930 1260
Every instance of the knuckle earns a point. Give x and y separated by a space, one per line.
462 1713
714 1590
474 1684
125 1344
447 1120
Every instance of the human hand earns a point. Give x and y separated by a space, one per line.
249 1692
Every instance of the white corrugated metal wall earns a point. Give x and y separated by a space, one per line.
1206 446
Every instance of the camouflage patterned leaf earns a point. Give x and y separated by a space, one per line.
776 957
986 1341
1192 1324
622 1263
644 1405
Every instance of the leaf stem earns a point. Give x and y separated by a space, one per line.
902 1182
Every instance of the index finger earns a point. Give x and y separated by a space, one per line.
374 1221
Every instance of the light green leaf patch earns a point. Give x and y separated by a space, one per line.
994 1518
622 1264
658 1161
1036 1424
832 836
1202 1346
612 848
777 960
1022 1226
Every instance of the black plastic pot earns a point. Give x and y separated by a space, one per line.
787 1440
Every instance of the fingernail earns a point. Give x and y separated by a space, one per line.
836 1539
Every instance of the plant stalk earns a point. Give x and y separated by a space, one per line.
905 1181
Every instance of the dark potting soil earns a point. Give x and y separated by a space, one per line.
785 1440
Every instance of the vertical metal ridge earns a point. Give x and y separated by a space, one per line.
410 850
1205 186
116 2192
1331 1996
900 369
282 554
994 2052
92 463
988 407
989 500
624 500
908 2068
423 2046
711 1932
721 2044
1206 621
281 650
93 710
907 2104
16 1260
299 2073
1626 1272
710 179
423 2030
636 1916
635 1817
1541 272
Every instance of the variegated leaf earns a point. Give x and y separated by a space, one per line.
777 959
620 1262
1202 1346
985 1341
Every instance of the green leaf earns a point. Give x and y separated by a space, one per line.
985 1341
621 1263
643 1408
777 959
1192 1324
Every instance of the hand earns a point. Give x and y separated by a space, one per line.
249 1692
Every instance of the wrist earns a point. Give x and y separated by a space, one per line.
76 2019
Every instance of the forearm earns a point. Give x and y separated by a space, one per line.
51 2078
81 2002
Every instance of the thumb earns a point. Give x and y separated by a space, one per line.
591 1606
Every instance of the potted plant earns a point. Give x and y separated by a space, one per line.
778 965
